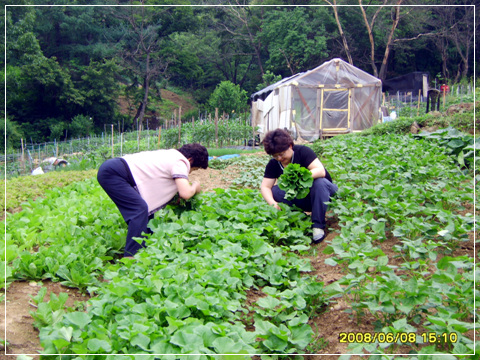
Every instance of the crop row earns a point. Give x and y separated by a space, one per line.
415 193
225 133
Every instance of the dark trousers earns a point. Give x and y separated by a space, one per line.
320 193
116 179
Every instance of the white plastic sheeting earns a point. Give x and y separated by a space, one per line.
333 98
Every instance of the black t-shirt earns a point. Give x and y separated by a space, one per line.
302 155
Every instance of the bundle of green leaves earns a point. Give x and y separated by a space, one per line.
295 181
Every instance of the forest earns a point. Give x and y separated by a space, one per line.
71 64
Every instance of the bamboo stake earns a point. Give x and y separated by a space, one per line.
216 127
253 134
23 156
179 125
112 141
418 106
159 136
174 119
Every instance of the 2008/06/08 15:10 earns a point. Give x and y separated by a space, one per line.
402 337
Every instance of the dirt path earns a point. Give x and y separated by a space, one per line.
22 337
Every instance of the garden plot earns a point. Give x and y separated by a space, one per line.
234 275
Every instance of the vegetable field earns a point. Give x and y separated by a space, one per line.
227 274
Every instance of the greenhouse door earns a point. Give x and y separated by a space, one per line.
334 110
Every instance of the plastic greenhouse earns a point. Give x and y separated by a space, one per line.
334 98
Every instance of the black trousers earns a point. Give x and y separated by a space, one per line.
316 200
115 178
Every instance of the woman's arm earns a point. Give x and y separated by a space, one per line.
317 169
266 191
185 190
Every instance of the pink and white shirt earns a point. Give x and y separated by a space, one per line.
155 172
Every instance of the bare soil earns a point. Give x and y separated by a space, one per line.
22 338
128 107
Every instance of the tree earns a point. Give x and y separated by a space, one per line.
369 25
268 79
143 43
12 135
462 32
81 125
45 91
371 16
340 30
295 39
228 97
395 16
184 70
141 50
37 86
101 90
74 35
247 24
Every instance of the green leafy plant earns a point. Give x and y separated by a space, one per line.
295 181
459 145
50 312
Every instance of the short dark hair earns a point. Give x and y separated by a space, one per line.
198 153
277 141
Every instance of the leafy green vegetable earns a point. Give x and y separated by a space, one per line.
295 181
460 145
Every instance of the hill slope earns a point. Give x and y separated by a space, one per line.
164 109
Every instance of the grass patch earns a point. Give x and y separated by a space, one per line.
23 188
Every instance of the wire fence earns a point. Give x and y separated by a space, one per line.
408 103
209 131
29 156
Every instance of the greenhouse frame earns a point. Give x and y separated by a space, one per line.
334 98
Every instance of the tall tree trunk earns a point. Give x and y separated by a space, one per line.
288 62
143 105
146 84
370 34
240 13
464 54
256 48
444 55
340 30
396 19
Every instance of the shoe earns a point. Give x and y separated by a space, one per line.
318 235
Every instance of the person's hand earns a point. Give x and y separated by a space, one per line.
197 187
276 206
